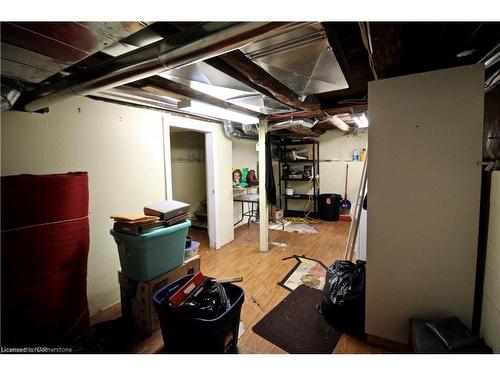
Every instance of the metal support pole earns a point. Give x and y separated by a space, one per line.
263 212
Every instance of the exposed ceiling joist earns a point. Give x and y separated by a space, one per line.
186 91
201 43
383 44
224 67
321 113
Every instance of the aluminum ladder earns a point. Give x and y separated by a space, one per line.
353 230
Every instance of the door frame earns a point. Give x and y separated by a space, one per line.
210 167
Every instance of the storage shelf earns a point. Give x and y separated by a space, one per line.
297 179
301 196
283 146
298 161
295 142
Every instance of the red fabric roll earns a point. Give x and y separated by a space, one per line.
44 266
30 199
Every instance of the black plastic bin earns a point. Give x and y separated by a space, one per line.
186 334
329 206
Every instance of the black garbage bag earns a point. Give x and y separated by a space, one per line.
343 302
210 303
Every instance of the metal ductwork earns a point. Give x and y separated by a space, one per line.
197 44
299 127
283 56
238 131
11 91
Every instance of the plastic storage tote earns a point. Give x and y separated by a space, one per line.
150 255
186 334
192 250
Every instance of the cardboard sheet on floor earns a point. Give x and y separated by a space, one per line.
310 272
293 227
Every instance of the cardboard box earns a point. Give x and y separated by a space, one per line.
137 296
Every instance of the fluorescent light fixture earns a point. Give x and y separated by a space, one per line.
361 120
201 108
223 93
339 123
219 92
466 53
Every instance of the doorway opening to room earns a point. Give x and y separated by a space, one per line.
189 178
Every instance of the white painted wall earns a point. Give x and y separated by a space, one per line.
425 143
490 318
120 148
244 155
189 183
338 148
123 150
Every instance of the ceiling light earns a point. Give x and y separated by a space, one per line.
466 53
339 123
361 120
220 113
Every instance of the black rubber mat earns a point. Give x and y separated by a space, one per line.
296 327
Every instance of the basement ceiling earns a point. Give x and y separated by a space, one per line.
35 51
304 70
205 78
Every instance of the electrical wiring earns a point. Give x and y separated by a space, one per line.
306 219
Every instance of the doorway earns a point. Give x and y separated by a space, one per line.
189 174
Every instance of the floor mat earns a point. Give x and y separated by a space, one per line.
296 327
307 271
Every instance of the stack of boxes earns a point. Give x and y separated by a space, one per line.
151 259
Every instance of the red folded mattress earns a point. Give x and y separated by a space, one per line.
44 259
30 199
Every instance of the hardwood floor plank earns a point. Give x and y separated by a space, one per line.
261 273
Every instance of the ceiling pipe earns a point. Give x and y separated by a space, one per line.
196 44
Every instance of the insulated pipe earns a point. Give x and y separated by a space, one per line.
197 44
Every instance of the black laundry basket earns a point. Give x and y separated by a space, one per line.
183 333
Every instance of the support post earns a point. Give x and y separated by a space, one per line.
263 212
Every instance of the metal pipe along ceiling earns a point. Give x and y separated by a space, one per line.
190 46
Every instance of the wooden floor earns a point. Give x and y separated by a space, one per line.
261 272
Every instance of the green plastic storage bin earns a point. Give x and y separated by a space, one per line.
150 255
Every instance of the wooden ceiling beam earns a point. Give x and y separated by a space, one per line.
260 77
320 113
183 90
224 67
